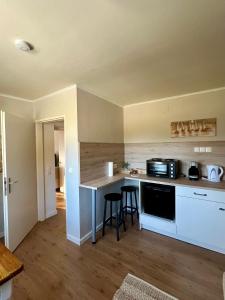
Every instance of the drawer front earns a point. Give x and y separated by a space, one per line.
200 193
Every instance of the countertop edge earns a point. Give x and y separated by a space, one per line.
94 185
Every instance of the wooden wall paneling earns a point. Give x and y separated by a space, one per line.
94 158
137 153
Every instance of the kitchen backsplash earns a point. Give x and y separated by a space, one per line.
94 158
137 154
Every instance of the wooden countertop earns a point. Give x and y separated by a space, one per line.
104 181
10 266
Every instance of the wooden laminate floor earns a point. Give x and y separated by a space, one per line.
60 201
57 269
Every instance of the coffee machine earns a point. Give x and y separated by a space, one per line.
193 172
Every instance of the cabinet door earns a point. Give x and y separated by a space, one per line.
201 221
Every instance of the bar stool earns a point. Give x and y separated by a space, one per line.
131 190
118 200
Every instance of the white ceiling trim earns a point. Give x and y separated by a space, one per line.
15 98
55 93
177 97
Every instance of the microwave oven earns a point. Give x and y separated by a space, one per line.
166 168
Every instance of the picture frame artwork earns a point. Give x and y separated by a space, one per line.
193 128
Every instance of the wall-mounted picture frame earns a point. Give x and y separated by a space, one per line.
193 128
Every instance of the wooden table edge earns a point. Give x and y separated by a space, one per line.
11 275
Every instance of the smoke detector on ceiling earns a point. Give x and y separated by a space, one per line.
23 45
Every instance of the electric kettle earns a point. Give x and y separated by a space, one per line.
215 173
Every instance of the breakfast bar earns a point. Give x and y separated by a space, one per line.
94 186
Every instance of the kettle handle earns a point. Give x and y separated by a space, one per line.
221 172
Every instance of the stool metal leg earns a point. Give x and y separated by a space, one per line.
104 219
131 207
126 204
111 213
117 222
135 195
122 215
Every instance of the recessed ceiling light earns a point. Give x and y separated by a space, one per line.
23 45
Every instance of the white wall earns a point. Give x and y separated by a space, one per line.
59 104
17 107
150 122
99 121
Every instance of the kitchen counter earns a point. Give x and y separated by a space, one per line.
104 181
160 225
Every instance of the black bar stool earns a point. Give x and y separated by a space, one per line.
131 190
118 200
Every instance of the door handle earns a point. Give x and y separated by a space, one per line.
10 183
197 194
223 209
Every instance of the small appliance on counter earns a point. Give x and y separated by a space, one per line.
215 173
112 168
166 168
193 172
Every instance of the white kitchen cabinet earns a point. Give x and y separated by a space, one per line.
201 222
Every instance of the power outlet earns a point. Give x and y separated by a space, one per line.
208 149
196 149
202 149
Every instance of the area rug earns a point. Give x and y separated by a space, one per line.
134 288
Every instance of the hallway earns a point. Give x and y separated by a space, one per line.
60 201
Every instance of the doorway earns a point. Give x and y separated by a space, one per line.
59 153
51 178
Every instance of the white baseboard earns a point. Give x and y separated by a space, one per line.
1 234
73 239
51 214
86 237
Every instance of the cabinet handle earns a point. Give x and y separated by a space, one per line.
223 209
197 194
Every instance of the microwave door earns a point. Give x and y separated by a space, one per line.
159 169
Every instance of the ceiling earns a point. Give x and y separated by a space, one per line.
126 51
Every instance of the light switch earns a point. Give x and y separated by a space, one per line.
196 149
208 149
202 149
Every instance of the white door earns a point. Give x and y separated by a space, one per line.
49 170
18 157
